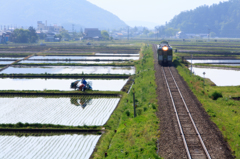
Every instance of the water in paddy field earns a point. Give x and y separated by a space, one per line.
9 58
117 54
58 84
214 61
58 146
221 77
230 64
70 62
68 111
6 62
69 70
83 57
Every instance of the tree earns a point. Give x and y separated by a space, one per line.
145 31
32 35
65 34
20 36
222 19
105 34
24 36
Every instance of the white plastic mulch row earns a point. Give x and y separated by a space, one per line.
48 147
60 111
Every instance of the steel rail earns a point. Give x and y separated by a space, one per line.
190 116
176 113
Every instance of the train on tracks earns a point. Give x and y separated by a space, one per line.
165 53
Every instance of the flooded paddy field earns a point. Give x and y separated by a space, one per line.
41 84
58 146
84 57
119 54
6 62
216 61
70 62
230 64
68 70
11 58
68 111
221 76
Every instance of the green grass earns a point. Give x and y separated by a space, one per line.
46 126
129 137
224 112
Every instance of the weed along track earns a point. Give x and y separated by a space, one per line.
186 129
193 143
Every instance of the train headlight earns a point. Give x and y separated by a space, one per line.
165 48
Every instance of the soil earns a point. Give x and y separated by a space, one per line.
170 144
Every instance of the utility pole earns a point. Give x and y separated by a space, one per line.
72 27
191 64
134 106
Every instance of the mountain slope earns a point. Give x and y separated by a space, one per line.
223 19
78 12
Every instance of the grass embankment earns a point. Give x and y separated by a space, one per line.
224 111
129 137
46 126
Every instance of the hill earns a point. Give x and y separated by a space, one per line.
79 12
223 19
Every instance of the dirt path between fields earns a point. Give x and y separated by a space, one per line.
170 144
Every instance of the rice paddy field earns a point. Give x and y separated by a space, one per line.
75 111
48 147
68 62
68 70
6 62
83 57
79 112
215 61
42 84
10 58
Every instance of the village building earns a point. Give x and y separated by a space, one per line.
2 38
44 28
92 34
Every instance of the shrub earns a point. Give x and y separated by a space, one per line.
211 113
127 113
153 106
216 95
145 109
139 111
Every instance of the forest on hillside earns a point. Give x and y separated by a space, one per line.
222 20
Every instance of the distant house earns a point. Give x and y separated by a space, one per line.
2 38
50 37
5 36
43 27
183 35
92 34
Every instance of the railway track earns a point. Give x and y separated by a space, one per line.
192 140
178 128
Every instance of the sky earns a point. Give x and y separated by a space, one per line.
149 12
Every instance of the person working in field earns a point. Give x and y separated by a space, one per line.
83 84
